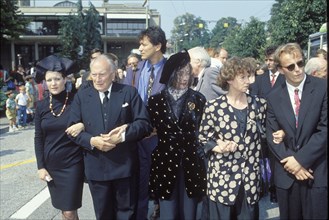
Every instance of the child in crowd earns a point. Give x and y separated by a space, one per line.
22 101
11 110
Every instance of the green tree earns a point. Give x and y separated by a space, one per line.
247 40
12 24
80 33
294 21
223 28
189 31
92 27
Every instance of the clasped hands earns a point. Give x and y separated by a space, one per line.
106 142
225 146
292 166
290 163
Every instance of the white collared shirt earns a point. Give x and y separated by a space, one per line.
102 94
276 75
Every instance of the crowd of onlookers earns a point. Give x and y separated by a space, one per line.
207 111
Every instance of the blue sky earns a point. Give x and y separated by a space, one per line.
209 10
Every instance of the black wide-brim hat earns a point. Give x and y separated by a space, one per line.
54 63
175 61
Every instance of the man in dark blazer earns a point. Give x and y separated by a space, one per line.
115 118
152 48
300 173
262 86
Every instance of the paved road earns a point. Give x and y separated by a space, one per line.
24 196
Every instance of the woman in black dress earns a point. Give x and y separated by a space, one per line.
178 176
59 160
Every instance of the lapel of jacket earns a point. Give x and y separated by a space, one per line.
94 105
307 97
116 101
266 83
279 80
286 106
200 82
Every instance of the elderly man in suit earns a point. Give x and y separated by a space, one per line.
299 107
115 118
205 76
317 67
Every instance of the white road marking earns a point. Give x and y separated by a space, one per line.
32 205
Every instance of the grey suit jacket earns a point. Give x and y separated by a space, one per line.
207 84
308 142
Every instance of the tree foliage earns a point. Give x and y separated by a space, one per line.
189 31
223 28
247 40
80 33
294 21
12 24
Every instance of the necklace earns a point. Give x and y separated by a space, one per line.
51 105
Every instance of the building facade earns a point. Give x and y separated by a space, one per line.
120 26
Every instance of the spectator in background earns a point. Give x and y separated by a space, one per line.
22 100
222 55
93 54
31 91
317 67
261 68
121 74
204 76
215 62
252 68
132 62
299 106
152 46
19 76
78 81
322 53
178 175
11 110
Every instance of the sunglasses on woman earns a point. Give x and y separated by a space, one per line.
291 67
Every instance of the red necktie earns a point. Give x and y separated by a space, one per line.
297 105
273 79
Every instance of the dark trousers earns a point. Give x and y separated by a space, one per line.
301 201
145 149
241 210
115 199
179 206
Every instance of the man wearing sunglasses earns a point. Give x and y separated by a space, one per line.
299 107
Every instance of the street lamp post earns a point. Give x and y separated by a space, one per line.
146 2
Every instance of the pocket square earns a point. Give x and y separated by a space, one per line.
125 105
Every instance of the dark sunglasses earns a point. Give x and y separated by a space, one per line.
291 67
